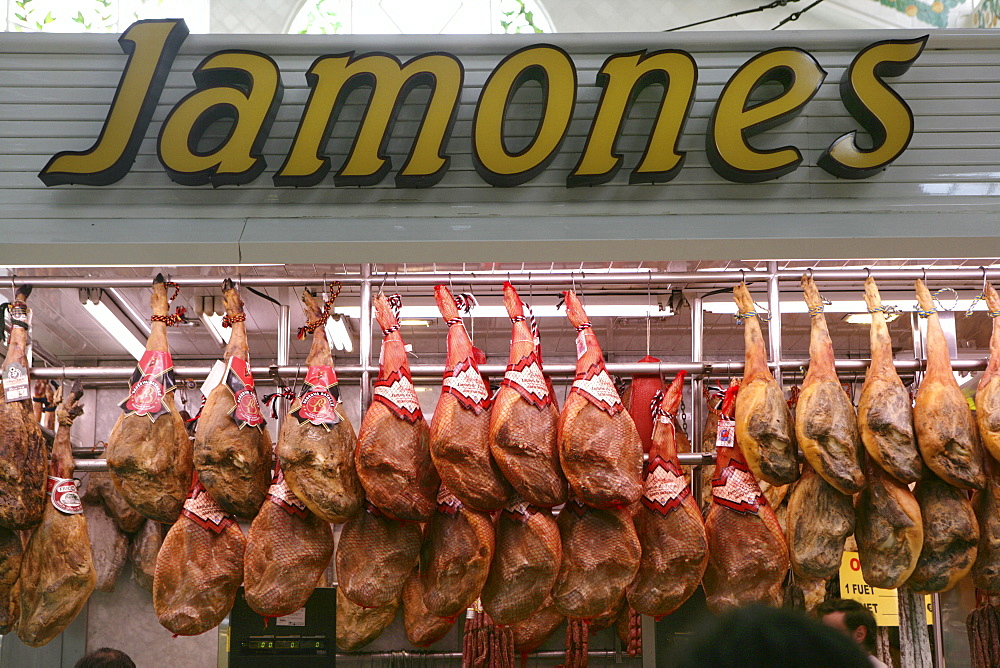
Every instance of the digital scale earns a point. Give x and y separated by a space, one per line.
307 637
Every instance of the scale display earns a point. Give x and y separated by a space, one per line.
307 637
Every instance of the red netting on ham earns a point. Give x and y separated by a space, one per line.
375 556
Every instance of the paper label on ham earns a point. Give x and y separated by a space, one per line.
526 377
581 343
201 508
726 435
317 404
596 385
15 382
447 502
520 509
665 487
396 391
736 488
464 382
239 380
152 379
64 496
283 497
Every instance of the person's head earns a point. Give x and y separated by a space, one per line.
850 617
761 637
105 658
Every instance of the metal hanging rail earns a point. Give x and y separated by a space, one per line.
536 278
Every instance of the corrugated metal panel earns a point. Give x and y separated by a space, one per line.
55 91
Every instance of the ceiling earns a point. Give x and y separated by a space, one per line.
65 334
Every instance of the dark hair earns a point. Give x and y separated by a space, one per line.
855 614
761 637
105 657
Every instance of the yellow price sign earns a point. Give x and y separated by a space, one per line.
883 603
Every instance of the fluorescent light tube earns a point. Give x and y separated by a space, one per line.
336 332
110 322
213 323
866 318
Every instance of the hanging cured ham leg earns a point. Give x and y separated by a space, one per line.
946 430
460 430
455 559
951 535
232 448
826 425
888 529
11 551
57 570
818 521
639 397
200 566
393 454
422 628
668 523
525 563
149 452
599 447
375 555
986 570
524 420
288 548
317 442
763 421
885 411
23 454
748 556
988 392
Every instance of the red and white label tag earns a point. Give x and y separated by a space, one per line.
736 488
317 404
397 392
526 377
467 385
665 487
152 379
64 495
280 494
447 502
596 385
520 509
725 436
239 380
203 509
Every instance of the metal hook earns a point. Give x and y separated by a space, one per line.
924 279
743 276
385 277
809 272
984 279
868 273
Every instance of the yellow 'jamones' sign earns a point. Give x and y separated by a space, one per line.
244 89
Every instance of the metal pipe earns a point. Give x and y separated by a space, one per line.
685 458
720 368
697 385
937 621
284 345
416 654
774 320
535 278
365 336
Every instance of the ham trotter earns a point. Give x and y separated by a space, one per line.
524 421
455 558
232 448
826 425
988 392
599 447
288 549
748 557
946 430
393 455
23 453
460 429
764 427
668 522
57 570
317 442
375 555
200 566
149 452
